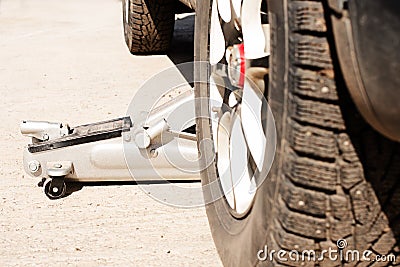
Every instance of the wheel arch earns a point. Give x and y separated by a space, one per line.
366 37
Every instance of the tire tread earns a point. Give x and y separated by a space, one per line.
150 27
324 194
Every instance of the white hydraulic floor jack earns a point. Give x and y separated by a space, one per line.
97 152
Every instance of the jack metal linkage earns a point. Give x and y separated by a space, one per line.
96 152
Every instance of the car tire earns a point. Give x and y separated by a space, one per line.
334 179
148 25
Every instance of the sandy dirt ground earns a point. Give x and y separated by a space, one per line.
66 61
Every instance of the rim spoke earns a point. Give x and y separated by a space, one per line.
237 5
215 104
217 40
224 8
223 160
251 109
253 34
241 175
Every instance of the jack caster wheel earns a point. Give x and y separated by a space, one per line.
55 189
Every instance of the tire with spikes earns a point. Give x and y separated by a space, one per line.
333 178
148 25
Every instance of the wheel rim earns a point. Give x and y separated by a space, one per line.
54 194
126 17
236 107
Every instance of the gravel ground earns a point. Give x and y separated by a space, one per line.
66 61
